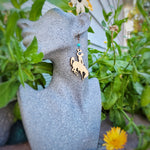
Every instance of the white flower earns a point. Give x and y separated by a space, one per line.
80 5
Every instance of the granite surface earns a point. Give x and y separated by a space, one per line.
66 115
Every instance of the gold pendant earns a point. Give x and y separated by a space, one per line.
78 66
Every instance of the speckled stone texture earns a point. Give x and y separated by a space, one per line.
66 115
6 121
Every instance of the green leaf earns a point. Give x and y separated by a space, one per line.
95 51
90 30
117 118
138 87
15 3
43 67
36 9
106 62
106 16
11 25
117 12
7 92
108 35
145 99
20 75
32 48
63 4
18 3
143 50
109 98
140 7
28 73
120 22
145 75
103 116
31 52
109 14
22 1
146 111
39 80
2 31
104 24
18 33
122 64
90 60
18 50
4 64
16 112
135 73
37 57
118 47
117 84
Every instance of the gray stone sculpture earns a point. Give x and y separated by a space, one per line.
66 115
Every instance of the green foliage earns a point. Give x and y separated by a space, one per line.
18 3
31 53
63 4
11 25
124 77
145 99
90 30
19 66
8 91
146 111
117 118
106 16
35 12
146 137
141 9
117 12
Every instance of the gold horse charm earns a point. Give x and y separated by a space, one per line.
78 66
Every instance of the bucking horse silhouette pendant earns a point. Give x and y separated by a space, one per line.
78 66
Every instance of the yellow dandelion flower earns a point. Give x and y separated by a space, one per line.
115 139
80 5
105 42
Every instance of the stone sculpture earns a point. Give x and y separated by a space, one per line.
65 115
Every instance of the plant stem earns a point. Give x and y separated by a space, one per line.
104 78
99 58
135 127
137 53
129 63
113 47
10 51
